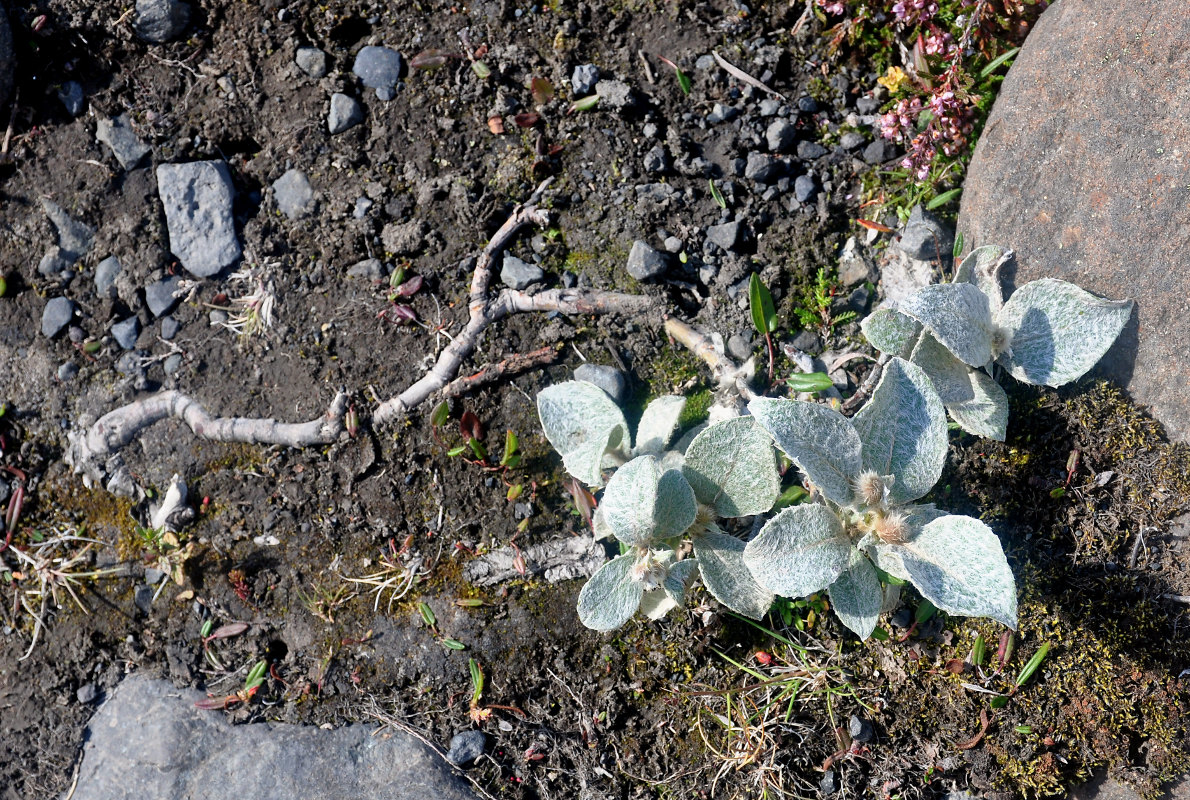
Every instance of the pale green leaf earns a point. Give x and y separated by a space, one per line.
981 268
678 578
959 316
656 605
821 441
891 331
641 505
903 430
657 424
732 468
856 596
581 422
721 563
973 400
800 551
958 564
611 596
1058 331
986 413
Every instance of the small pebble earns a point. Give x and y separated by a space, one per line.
87 693
294 194
860 729
345 113
71 95
159 296
125 332
851 140
466 746
725 236
169 328
378 68
172 363
807 104
519 274
106 272
808 151
142 596
67 371
311 61
804 188
583 79
779 135
644 262
159 21
56 316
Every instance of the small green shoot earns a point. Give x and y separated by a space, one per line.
716 195
453 644
810 382
584 103
1032 665
978 651
455 452
512 456
958 245
1024 729
764 316
427 615
997 61
482 70
790 497
440 414
255 676
925 611
944 198
684 82
814 311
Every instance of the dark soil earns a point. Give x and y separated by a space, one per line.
655 710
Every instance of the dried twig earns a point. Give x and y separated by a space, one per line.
744 76
485 310
513 365
731 377
94 452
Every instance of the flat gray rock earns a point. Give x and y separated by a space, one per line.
56 316
197 198
159 21
311 61
117 134
345 113
294 194
159 296
519 274
378 68
106 272
1089 186
725 235
148 740
125 332
644 262
74 237
926 236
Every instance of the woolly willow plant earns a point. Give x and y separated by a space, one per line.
661 500
1049 332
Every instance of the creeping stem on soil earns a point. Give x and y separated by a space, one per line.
485 310
727 373
91 449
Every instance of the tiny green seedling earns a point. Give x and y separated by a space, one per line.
683 79
252 684
716 195
764 315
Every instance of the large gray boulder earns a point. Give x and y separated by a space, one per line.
197 198
148 740
1083 169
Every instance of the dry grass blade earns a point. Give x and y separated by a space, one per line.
393 577
744 76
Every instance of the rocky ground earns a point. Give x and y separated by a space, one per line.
214 198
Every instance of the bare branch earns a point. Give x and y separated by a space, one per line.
730 376
485 310
513 365
95 451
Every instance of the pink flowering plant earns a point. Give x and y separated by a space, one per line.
938 98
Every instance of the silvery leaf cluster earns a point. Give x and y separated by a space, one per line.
1049 332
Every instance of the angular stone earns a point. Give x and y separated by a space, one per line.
197 198
125 332
54 264
159 296
879 151
346 112
106 272
148 740
519 274
644 262
779 135
370 269
1089 186
378 68
56 316
725 236
804 188
311 61
117 134
169 328
74 237
851 140
466 746
583 79
158 21
926 236
762 168
294 194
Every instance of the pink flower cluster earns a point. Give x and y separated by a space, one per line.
915 12
947 130
834 7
